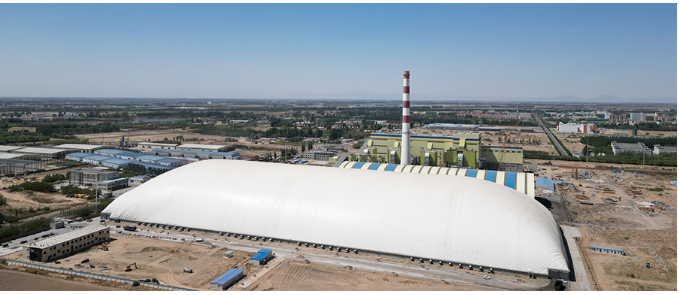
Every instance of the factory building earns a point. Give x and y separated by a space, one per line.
576 128
453 220
657 149
522 182
203 147
83 148
113 184
45 154
155 145
9 148
65 244
462 149
630 148
446 126
203 155
117 159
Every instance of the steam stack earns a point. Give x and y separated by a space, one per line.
405 136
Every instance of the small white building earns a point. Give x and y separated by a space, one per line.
657 149
139 179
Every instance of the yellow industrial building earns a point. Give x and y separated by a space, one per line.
462 149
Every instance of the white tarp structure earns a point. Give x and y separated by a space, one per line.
460 220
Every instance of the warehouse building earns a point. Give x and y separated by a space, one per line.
45 154
630 148
203 155
203 147
448 219
117 159
155 145
226 280
9 148
83 148
59 246
138 180
446 126
113 184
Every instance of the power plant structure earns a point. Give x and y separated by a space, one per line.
450 220
405 129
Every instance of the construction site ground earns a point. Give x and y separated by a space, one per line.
17 280
158 259
637 214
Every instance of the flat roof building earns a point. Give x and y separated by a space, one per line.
7 148
65 244
657 149
226 280
80 147
630 148
203 155
202 147
155 145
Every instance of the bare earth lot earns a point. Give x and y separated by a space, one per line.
13 280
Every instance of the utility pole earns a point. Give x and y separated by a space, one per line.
587 151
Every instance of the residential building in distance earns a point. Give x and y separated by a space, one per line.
637 117
617 118
657 149
576 128
630 148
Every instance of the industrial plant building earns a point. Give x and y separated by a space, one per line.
118 159
446 219
576 128
65 244
83 148
462 150
155 145
14 166
630 148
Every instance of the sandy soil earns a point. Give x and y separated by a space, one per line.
646 237
13 280
150 135
158 259
294 275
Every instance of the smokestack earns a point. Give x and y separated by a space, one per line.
405 136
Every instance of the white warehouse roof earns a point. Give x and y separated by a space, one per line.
454 219
73 146
201 146
39 150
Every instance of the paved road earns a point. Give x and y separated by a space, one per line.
581 281
355 262
551 136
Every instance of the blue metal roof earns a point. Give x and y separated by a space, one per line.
117 161
604 248
490 175
227 276
510 181
139 177
391 167
197 152
267 251
80 155
113 180
358 165
109 151
374 166
259 256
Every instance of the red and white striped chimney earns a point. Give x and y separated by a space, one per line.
405 135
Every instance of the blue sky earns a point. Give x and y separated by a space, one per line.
453 51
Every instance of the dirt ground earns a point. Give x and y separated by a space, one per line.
13 280
158 259
150 135
622 217
294 275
